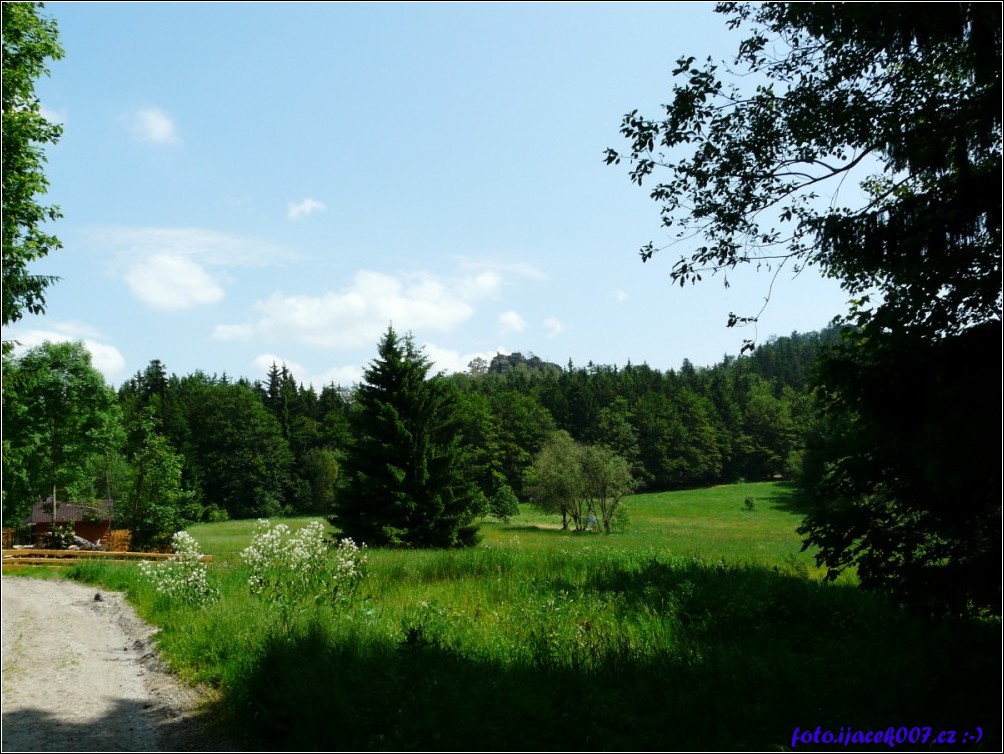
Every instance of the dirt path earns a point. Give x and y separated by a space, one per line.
80 673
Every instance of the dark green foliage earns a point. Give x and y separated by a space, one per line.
522 425
320 469
238 446
555 482
278 448
257 449
481 441
768 429
676 430
405 481
912 489
615 431
742 417
29 41
607 479
316 429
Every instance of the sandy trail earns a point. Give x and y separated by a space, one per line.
80 673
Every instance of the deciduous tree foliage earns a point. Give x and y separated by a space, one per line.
58 415
904 103
153 504
29 42
584 483
555 480
608 479
405 483
865 139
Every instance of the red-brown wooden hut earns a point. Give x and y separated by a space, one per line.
92 521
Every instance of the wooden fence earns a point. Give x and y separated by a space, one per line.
62 558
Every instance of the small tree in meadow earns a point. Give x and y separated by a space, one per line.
585 484
555 480
607 479
504 504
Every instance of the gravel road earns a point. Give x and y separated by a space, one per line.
80 673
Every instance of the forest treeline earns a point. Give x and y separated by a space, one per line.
274 446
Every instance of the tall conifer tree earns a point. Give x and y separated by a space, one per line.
405 482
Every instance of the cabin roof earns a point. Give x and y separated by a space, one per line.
98 510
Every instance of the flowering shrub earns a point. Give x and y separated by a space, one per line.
292 569
184 575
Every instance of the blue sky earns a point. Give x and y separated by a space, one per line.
249 183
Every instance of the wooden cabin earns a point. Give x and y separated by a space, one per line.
92 521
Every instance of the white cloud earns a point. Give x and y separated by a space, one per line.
153 125
482 286
73 329
450 361
555 327
167 268
210 246
511 322
300 210
520 269
263 362
172 283
106 358
344 376
621 296
358 314
233 332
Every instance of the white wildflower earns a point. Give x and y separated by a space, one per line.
292 568
184 575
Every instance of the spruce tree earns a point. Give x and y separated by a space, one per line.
405 482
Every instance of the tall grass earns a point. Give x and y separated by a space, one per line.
700 627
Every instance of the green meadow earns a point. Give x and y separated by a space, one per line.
700 626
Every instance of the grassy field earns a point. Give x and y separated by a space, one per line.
701 626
